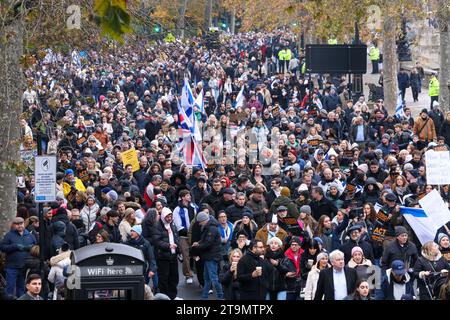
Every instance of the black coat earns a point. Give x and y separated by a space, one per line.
323 207
212 198
235 212
147 250
394 251
275 279
221 204
230 285
71 236
424 264
209 246
445 131
325 284
251 288
162 244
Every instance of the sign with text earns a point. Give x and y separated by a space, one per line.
130 157
110 271
45 177
437 167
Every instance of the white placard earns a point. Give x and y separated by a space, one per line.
45 178
435 208
438 167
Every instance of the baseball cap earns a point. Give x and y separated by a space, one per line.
398 267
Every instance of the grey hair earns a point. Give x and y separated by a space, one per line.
336 254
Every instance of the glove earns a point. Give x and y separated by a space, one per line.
20 247
28 247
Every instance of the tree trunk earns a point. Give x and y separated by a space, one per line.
444 60
233 21
390 60
182 18
208 15
11 88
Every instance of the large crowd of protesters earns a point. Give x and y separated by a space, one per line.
300 197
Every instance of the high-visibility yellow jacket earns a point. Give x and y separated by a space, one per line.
374 53
433 88
332 41
285 54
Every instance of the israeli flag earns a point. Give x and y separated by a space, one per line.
399 112
199 103
240 98
76 60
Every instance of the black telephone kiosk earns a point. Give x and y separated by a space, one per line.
106 271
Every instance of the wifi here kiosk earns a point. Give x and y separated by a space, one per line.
106 271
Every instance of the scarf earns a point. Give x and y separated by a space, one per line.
170 232
227 233
291 256
182 214
272 233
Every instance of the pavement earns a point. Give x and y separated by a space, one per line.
416 107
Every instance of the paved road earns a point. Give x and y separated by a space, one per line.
416 107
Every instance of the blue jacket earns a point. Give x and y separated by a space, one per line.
17 247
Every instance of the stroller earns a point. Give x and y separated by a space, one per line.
433 283
375 92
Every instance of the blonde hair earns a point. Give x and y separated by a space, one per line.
232 252
90 191
428 247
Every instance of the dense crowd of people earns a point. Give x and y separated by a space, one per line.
295 219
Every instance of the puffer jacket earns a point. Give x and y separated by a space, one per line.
311 282
89 215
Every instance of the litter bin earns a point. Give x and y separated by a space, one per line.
106 271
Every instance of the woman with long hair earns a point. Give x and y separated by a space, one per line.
362 291
257 176
325 232
399 187
313 275
228 276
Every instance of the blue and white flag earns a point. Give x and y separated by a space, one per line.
240 98
199 103
399 112
187 104
424 224
76 59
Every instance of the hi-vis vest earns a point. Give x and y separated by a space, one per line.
332 41
433 88
374 53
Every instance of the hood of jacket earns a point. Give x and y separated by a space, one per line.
430 258
372 181
282 201
59 228
60 257
365 262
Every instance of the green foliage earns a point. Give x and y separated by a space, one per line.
113 18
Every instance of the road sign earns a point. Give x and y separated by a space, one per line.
45 178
